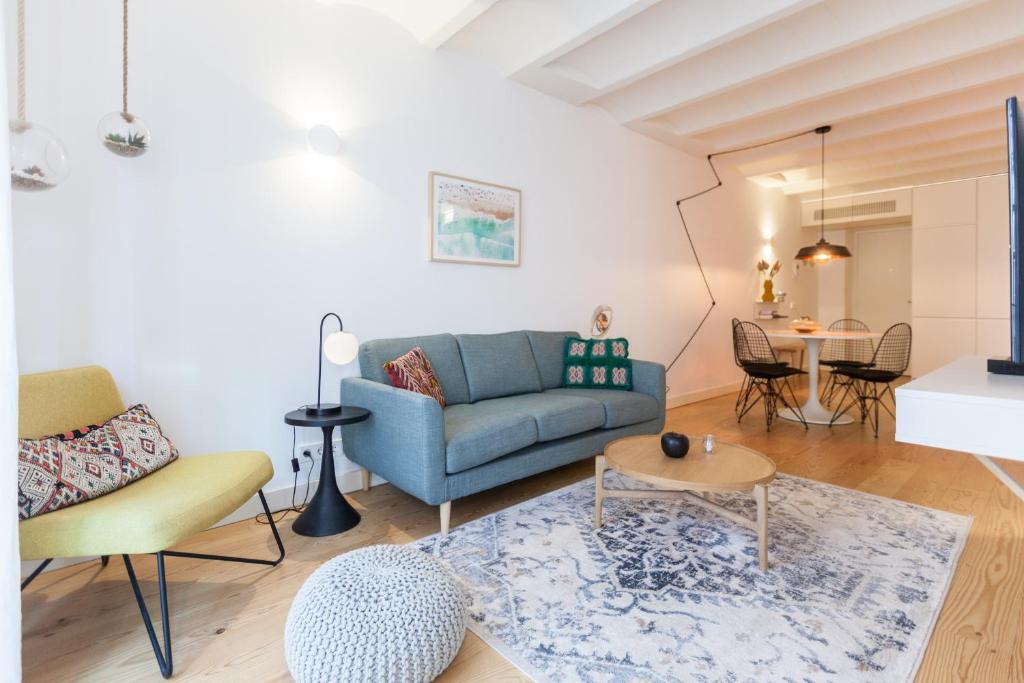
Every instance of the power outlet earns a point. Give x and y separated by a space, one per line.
315 450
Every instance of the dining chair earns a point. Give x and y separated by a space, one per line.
870 384
838 353
766 379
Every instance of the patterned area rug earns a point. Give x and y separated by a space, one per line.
668 591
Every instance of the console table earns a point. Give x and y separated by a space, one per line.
961 407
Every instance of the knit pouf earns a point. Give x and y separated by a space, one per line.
381 613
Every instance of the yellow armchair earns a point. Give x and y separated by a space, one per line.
147 516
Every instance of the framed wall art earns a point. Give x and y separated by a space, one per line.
474 222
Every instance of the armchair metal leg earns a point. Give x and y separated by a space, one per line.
247 560
35 572
163 657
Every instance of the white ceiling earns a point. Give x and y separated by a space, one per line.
913 89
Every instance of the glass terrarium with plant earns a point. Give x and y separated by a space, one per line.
126 136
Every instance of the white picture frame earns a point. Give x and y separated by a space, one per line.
471 221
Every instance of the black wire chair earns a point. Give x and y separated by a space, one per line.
839 353
765 377
870 384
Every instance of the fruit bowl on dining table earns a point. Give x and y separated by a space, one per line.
805 325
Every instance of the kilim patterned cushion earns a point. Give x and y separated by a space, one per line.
61 470
412 371
597 364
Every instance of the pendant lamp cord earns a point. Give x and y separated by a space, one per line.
21 61
822 183
689 238
124 63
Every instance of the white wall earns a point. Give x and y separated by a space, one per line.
198 273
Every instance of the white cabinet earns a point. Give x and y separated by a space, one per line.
993 337
993 255
938 341
944 271
945 204
961 271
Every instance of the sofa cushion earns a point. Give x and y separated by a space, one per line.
549 353
621 408
440 349
85 463
413 372
556 416
476 433
597 363
498 365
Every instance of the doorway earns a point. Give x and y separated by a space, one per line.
880 287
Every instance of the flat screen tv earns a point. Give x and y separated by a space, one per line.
1014 365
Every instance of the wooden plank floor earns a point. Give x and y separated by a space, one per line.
81 623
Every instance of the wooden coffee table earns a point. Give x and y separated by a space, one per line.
729 468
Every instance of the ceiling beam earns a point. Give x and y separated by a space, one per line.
515 34
932 85
814 34
994 157
807 153
935 175
439 34
667 33
927 48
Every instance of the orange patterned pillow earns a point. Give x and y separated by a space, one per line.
413 372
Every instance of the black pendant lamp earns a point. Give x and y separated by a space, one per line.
823 251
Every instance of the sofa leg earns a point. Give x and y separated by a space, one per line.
446 517
365 475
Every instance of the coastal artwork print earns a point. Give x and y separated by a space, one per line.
473 222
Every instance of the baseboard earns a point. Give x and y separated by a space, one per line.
701 394
349 480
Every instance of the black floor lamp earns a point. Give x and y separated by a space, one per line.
718 183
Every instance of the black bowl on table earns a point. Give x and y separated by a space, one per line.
674 445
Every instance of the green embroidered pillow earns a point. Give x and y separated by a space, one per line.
597 364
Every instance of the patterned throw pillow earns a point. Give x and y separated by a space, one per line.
413 372
61 470
597 364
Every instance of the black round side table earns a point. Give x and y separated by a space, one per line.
328 513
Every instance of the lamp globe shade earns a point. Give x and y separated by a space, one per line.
341 347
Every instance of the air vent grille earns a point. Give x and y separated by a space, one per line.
856 210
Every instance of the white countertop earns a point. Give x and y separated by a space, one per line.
966 380
962 407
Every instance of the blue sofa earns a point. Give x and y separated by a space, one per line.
507 417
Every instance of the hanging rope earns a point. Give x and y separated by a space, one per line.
124 63
21 61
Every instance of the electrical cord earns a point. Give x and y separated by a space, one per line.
295 486
689 238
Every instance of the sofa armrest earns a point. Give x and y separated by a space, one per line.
649 378
403 439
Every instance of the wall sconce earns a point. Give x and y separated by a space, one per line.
324 140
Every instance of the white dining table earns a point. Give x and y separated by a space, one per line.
813 411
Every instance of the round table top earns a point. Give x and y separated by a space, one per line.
821 334
730 468
347 416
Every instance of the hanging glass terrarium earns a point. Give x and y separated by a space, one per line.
122 132
38 158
